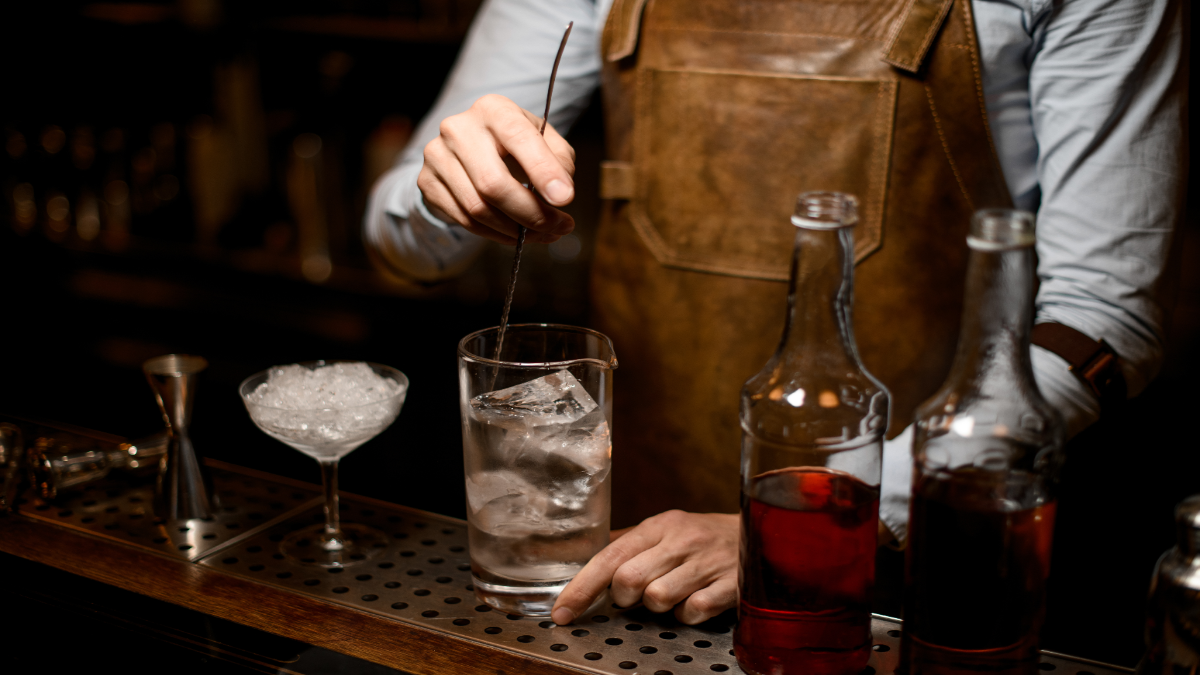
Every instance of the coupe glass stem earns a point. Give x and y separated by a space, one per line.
331 540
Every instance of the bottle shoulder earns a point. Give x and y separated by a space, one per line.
814 408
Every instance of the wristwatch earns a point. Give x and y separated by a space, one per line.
1093 362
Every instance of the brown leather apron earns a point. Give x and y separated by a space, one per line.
718 113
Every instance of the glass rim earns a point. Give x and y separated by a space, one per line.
468 355
389 371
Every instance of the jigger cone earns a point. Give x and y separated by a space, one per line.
183 491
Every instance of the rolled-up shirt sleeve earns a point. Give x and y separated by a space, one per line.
509 51
1107 102
1086 100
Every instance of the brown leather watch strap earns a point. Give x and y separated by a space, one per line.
1092 361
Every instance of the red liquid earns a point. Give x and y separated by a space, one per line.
975 577
807 570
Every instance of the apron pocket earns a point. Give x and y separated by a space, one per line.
719 158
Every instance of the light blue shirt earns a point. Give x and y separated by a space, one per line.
1085 100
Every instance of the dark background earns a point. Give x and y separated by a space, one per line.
81 314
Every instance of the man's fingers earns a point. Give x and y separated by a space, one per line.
598 573
670 586
547 160
443 205
632 578
708 602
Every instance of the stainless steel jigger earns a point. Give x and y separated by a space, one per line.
183 491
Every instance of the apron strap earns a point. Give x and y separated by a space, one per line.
913 33
622 29
616 180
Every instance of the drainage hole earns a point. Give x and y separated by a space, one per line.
65 514
420 526
157 540
257 568
254 549
233 526
336 570
132 516
525 638
311 582
278 556
448 530
370 597
668 635
663 672
90 519
487 608
340 589
283 575
614 641
560 647
392 584
230 561
719 667
429 613
452 601
421 592
407 554
648 650
683 658
400 535
893 633
600 618
592 656
363 577
209 536
457 549
627 665
881 648
512 617
493 630
367 512
702 644
633 626
185 547
276 537
464 567
461 622
399 605
443 580
437 561
1047 666
580 632
429 542
386 565
469 587
414 573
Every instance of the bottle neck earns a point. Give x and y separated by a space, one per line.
819 299
993 345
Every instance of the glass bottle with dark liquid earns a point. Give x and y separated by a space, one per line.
813 422
987 453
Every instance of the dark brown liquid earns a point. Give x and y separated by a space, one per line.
807 570
975 577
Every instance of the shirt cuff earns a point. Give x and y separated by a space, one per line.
411 241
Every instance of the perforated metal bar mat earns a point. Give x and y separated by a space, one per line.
126 514
422 578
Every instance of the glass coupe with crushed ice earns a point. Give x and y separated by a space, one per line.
326 410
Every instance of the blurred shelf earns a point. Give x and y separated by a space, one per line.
403 30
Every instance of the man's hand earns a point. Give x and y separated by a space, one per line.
688 561
471 172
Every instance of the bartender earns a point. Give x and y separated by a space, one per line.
718 113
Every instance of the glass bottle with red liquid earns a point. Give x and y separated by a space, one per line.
987 453
812 437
